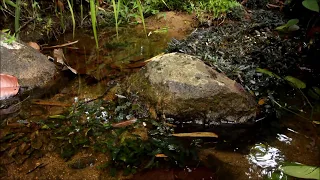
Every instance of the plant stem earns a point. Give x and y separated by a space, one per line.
17 18
73 20
288 109
94 21
116 9
141 16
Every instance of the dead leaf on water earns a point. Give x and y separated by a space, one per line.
262 101
124 123
196 134
9 86
161 155
169 125
50 103
34 45
58 54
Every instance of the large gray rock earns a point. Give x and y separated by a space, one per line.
32 68
182 86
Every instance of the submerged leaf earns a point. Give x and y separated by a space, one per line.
316 90
264 71
57 117
196 134
58 54
292 22
296 82
125 123
301 171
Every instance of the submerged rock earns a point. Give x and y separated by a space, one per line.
184 87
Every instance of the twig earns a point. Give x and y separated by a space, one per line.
38 166
273 6
21 27
287 109
50 103
101 96
61 45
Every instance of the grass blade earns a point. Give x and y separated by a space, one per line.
94 21
116 9
73 20
141 16
17 18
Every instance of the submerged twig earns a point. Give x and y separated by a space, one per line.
61 45
50 103
38 166
287 109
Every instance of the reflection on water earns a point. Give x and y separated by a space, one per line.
265 156
284 138
263 160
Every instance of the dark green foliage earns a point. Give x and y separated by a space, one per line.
243 48
90 125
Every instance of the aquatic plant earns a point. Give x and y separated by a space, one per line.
131 147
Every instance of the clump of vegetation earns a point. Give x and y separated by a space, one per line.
131 147
245 47
124 11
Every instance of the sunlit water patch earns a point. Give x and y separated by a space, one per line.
265 157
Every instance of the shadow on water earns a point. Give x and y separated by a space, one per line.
251 152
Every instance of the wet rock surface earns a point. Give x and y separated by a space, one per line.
183 87
32 69
27 64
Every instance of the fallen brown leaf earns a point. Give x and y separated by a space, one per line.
161 155
9 86
196 134
34 45
124 123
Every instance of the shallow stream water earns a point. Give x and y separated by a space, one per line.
255 155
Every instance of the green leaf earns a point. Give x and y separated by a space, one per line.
311 5
313 95
293 28
292 22
316 90
281 28
301 171
57 117
45 127
291 25
295 82
264 71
